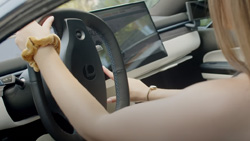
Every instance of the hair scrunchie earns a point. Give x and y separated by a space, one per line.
33 44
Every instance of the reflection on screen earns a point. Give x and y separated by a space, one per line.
136 35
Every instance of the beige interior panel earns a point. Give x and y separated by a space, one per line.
6 122
217 56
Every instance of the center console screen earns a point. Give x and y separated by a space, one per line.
135 32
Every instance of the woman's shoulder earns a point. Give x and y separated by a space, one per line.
229 92
226 102
235 86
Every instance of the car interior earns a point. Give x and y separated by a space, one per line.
167 44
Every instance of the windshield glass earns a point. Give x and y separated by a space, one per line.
7 6
90 5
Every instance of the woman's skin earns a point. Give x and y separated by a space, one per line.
212 110
138 90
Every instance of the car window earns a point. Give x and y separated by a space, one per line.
206 22
7 6
198 13
89 5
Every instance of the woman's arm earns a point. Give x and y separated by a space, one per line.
74 100
162 93
186 116
139 91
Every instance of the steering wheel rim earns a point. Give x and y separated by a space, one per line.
120 77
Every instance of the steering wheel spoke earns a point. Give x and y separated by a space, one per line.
80 56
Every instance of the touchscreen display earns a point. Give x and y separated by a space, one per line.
135 32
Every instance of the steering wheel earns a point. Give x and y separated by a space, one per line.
79 53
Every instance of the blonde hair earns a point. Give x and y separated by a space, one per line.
233 14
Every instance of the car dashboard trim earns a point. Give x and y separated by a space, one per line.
177 49
6 122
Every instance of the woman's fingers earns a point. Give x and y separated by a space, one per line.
111 76
35 30
48 22
111 99
108 72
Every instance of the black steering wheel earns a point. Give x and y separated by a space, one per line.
79 53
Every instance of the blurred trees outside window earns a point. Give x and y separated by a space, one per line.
90 5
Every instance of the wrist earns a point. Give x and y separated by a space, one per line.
44 53
34 44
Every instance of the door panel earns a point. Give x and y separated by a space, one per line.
215 65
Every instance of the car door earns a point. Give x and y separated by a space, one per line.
214 64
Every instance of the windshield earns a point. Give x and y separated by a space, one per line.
90 5
8 5
17 13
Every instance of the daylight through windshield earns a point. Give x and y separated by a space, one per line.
89 5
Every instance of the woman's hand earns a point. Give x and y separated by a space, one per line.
35 30
137 89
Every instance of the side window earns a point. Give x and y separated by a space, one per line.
198 14
207 21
